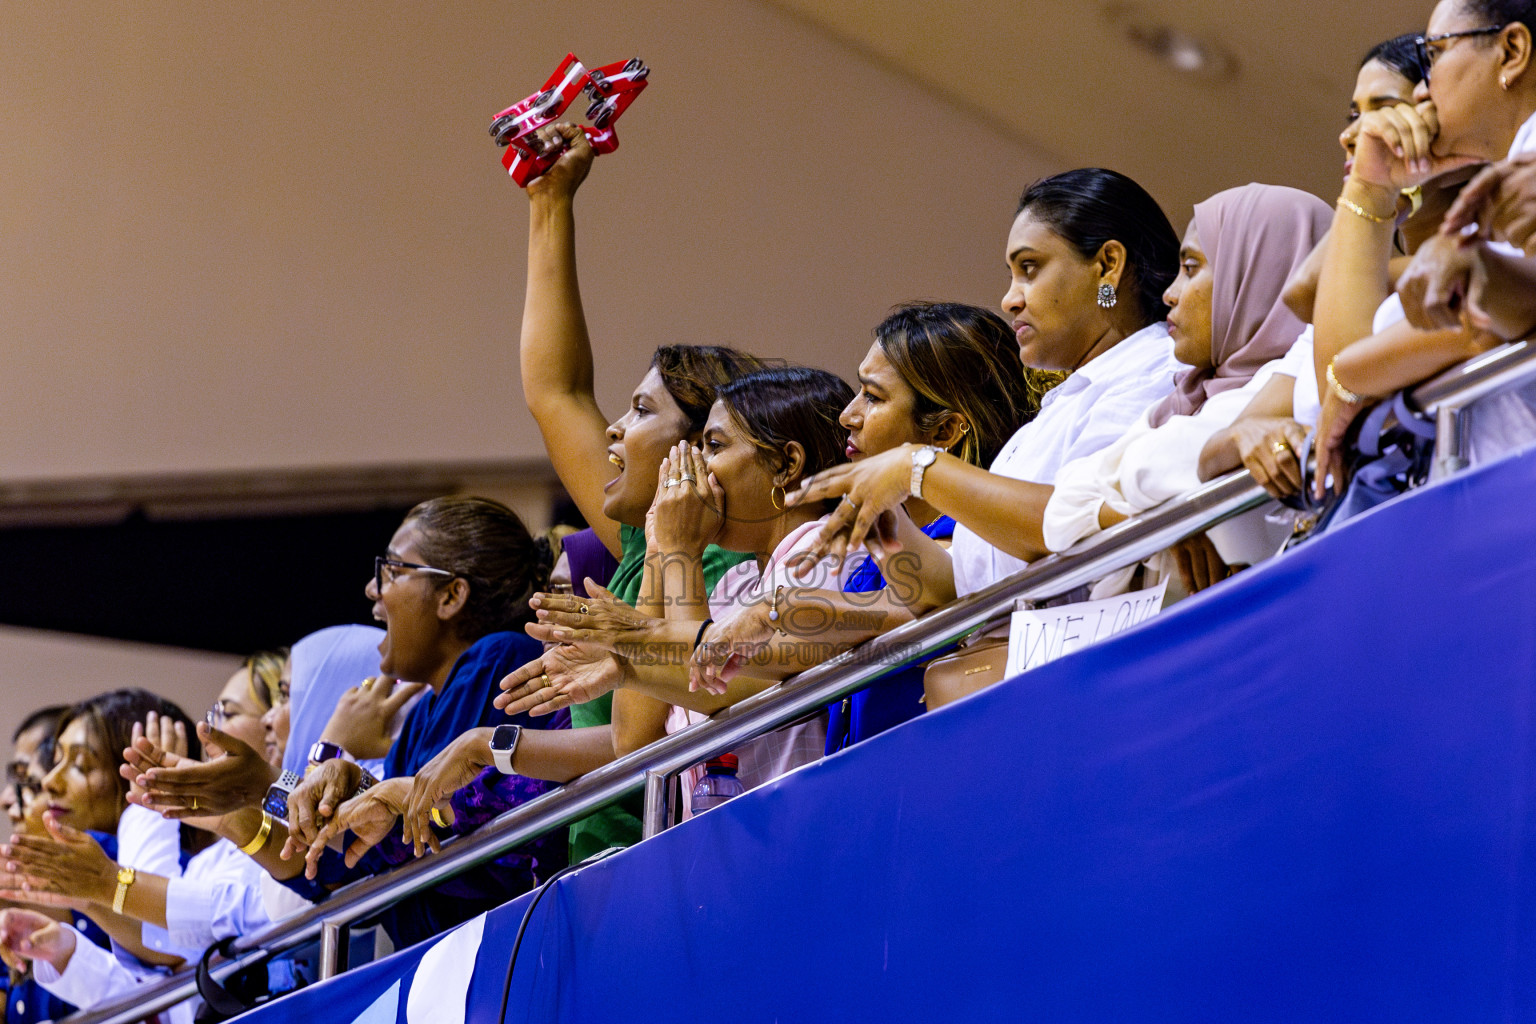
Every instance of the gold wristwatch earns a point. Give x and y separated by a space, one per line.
125 877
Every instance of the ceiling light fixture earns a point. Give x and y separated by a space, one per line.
1181 51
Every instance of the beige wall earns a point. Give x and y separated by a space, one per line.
253 235
38 668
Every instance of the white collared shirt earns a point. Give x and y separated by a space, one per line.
1082 415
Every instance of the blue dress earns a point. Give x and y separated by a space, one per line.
894 697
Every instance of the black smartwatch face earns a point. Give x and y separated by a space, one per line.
504 737
276 803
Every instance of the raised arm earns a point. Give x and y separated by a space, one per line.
555 352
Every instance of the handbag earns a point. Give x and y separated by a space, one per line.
975 667
1387 461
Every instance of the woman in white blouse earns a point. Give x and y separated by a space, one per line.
1476 104
1090 254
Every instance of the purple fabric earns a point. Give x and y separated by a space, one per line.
587 556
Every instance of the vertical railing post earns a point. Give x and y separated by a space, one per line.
335 938
658 803
1450 441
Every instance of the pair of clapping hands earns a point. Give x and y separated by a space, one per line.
592 636
51 864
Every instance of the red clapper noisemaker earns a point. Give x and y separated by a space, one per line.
612 88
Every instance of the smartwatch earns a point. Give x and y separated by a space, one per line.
275 802
504 747
322 752
921 460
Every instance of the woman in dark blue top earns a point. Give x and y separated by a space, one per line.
451 591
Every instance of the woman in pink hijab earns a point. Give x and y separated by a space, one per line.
1230 327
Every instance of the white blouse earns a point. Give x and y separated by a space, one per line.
1083 414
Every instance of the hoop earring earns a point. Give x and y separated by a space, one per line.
1107 296
778 502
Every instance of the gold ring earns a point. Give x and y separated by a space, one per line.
194 803
1279 446
584 609
545 677
437 818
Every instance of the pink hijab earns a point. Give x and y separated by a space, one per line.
1255 237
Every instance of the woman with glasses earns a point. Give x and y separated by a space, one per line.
1265 438
451 591
1477 103
250 693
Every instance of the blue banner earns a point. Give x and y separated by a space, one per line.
1300 797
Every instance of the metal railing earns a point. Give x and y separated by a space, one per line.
651 769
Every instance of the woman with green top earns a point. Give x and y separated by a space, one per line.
608 468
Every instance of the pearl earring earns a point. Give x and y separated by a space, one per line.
1107 296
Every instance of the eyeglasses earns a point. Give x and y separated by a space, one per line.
387 570
1429 53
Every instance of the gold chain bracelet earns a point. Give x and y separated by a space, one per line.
1343 393
1360 211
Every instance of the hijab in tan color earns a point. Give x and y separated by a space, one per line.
1255 237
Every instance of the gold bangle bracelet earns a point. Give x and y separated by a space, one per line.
253 847
1360 211
1341 392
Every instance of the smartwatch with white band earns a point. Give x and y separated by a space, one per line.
504 747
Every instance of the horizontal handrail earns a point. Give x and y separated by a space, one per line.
1496 370
1125 544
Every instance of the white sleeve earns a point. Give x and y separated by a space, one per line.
199 913
92 976
1082 487
219 896
149 843
1163 463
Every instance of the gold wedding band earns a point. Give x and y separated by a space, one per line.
545 677
194 803
437 818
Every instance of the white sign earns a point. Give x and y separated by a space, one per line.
1040 635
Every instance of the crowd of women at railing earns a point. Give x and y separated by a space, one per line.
749 519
